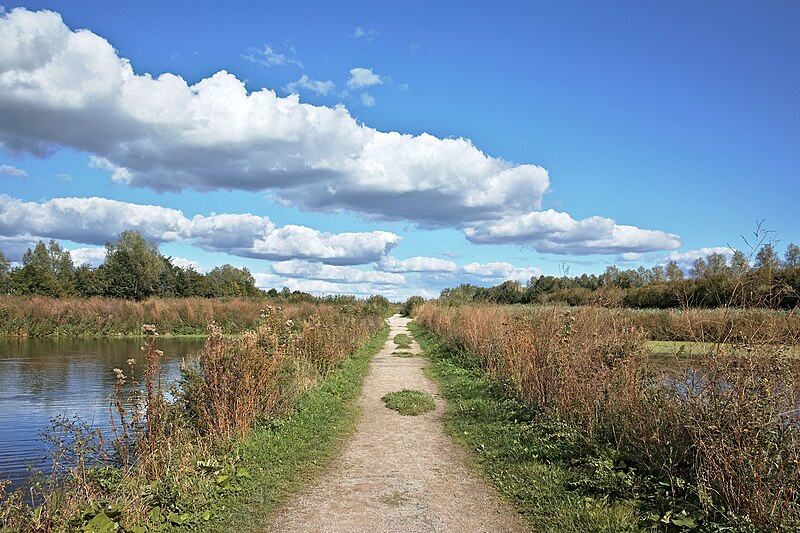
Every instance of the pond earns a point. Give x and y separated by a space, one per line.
42 379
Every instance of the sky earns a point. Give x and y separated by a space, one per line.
397 149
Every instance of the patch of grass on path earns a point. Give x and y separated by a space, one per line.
403 354
284 456
525 457
409 402
402 340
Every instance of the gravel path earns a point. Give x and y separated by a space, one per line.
398 473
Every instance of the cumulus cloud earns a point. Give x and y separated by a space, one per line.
417 264
90 256
315 86
501 271
316 271
361 77
167 135
368 100
685 259
187 263
8 170
557 232
97 220
270 58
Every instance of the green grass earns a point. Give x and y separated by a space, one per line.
688 349
409 402
541 466
403 354
284 455
402 340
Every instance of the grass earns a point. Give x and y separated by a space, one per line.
402 340
402 354
691 348
526 458
409 402
284 454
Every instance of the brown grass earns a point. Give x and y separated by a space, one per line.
723 435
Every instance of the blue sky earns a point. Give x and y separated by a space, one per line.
531 136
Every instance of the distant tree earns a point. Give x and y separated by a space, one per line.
230 281
716 265
698 268
674 272
791 258
767 258
5 277
133 267
89 281
41 270
739 264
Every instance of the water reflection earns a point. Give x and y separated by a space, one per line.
45 378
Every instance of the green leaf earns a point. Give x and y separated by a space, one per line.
242 472
101 523
175 518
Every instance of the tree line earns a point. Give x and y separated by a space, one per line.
133 269
716 280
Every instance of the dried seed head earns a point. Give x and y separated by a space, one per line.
149 329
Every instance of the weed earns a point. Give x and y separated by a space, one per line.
409 402
402 340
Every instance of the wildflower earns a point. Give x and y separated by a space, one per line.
131 361
149 329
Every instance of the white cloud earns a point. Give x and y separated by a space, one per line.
164 134
8 170
342 274
269 57
91 256
417 264
685 259
362 33
187 263
97 220
167 135
361 77
316 86
368 100
501 271
557 232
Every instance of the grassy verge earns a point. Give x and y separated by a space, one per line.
283 455
409 402
542 467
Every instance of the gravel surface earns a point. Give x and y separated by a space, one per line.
398 473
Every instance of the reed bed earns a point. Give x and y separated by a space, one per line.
717 442
39 316
168 458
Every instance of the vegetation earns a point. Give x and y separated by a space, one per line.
409 402
402 340
761 280
184 459
411 305
536 463
713 444
133 269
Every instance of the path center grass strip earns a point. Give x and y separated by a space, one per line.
409 402
284 455
524 459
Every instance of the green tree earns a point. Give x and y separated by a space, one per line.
791 258
739 264
5 276
767 258
230 281
38 274
674 272
133 267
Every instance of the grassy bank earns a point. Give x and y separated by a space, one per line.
39 316
714 446
283 455
248 419
534 462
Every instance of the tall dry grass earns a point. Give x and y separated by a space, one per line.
39 316
722 434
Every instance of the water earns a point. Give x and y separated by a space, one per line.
45 378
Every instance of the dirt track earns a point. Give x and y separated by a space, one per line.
398 473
